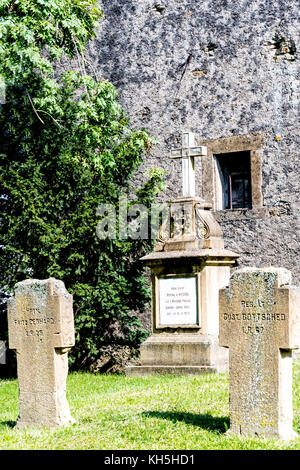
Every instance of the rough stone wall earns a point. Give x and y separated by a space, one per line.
220 69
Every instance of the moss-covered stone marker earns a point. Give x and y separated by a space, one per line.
41 331
259 323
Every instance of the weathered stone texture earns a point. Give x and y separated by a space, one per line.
2 352
219 69
259 322
41 331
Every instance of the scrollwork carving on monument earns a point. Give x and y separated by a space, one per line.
202 228
164 231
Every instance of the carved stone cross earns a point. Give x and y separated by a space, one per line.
259 323
188 152
41 331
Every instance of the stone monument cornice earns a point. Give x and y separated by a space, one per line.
206 254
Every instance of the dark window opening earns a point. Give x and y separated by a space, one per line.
235 175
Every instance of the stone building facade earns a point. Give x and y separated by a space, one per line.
228 71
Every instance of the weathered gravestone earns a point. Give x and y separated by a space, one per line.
2 352
41 330
260 325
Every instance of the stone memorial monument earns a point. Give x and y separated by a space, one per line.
259 323
188 268
41 331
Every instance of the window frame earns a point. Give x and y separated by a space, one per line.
208 184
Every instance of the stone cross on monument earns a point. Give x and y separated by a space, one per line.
188 152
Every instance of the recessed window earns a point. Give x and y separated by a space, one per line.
234 175
231 176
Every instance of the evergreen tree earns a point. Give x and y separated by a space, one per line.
66 146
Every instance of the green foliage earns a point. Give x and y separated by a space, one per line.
66 146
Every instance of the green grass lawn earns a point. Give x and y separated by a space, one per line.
116 412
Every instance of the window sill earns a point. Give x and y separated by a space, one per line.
227 215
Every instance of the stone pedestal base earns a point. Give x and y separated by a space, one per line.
285 435
180 354
41 409
144 371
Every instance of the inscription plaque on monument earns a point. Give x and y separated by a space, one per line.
178 301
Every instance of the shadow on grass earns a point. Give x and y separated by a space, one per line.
10 424
211 423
